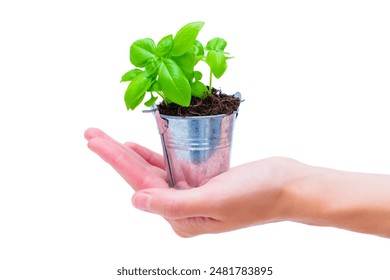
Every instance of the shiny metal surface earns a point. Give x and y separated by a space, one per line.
195 148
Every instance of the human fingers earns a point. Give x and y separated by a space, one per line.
150 156
92 133
194 226
139 174
188 212
174 204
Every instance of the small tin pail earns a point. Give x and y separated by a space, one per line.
195 148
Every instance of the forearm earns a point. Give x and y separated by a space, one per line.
354 201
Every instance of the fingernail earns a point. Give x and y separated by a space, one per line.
142 201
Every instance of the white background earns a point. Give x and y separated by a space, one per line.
315 77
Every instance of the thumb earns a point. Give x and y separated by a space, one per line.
174 204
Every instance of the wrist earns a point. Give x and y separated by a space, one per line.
290 177
302 195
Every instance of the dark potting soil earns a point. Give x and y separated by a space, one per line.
215 104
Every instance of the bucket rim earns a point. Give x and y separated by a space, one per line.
198 117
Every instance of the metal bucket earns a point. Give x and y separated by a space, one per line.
195 148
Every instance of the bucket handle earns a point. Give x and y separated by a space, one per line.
238 95
162 123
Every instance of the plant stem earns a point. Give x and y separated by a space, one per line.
210 83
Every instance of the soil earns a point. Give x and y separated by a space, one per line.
215 104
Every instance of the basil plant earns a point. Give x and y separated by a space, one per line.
167 69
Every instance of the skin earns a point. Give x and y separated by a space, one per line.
264 191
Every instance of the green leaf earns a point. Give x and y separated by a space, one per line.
185 38
198 48
155 87
136 90
141 51
174 83
128 76
199 51
165 45
186 63
151 101
151 67
217 62
198 75
216 44
198 89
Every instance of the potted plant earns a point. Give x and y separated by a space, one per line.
195 121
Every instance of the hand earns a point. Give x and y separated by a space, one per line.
244 196
269 190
